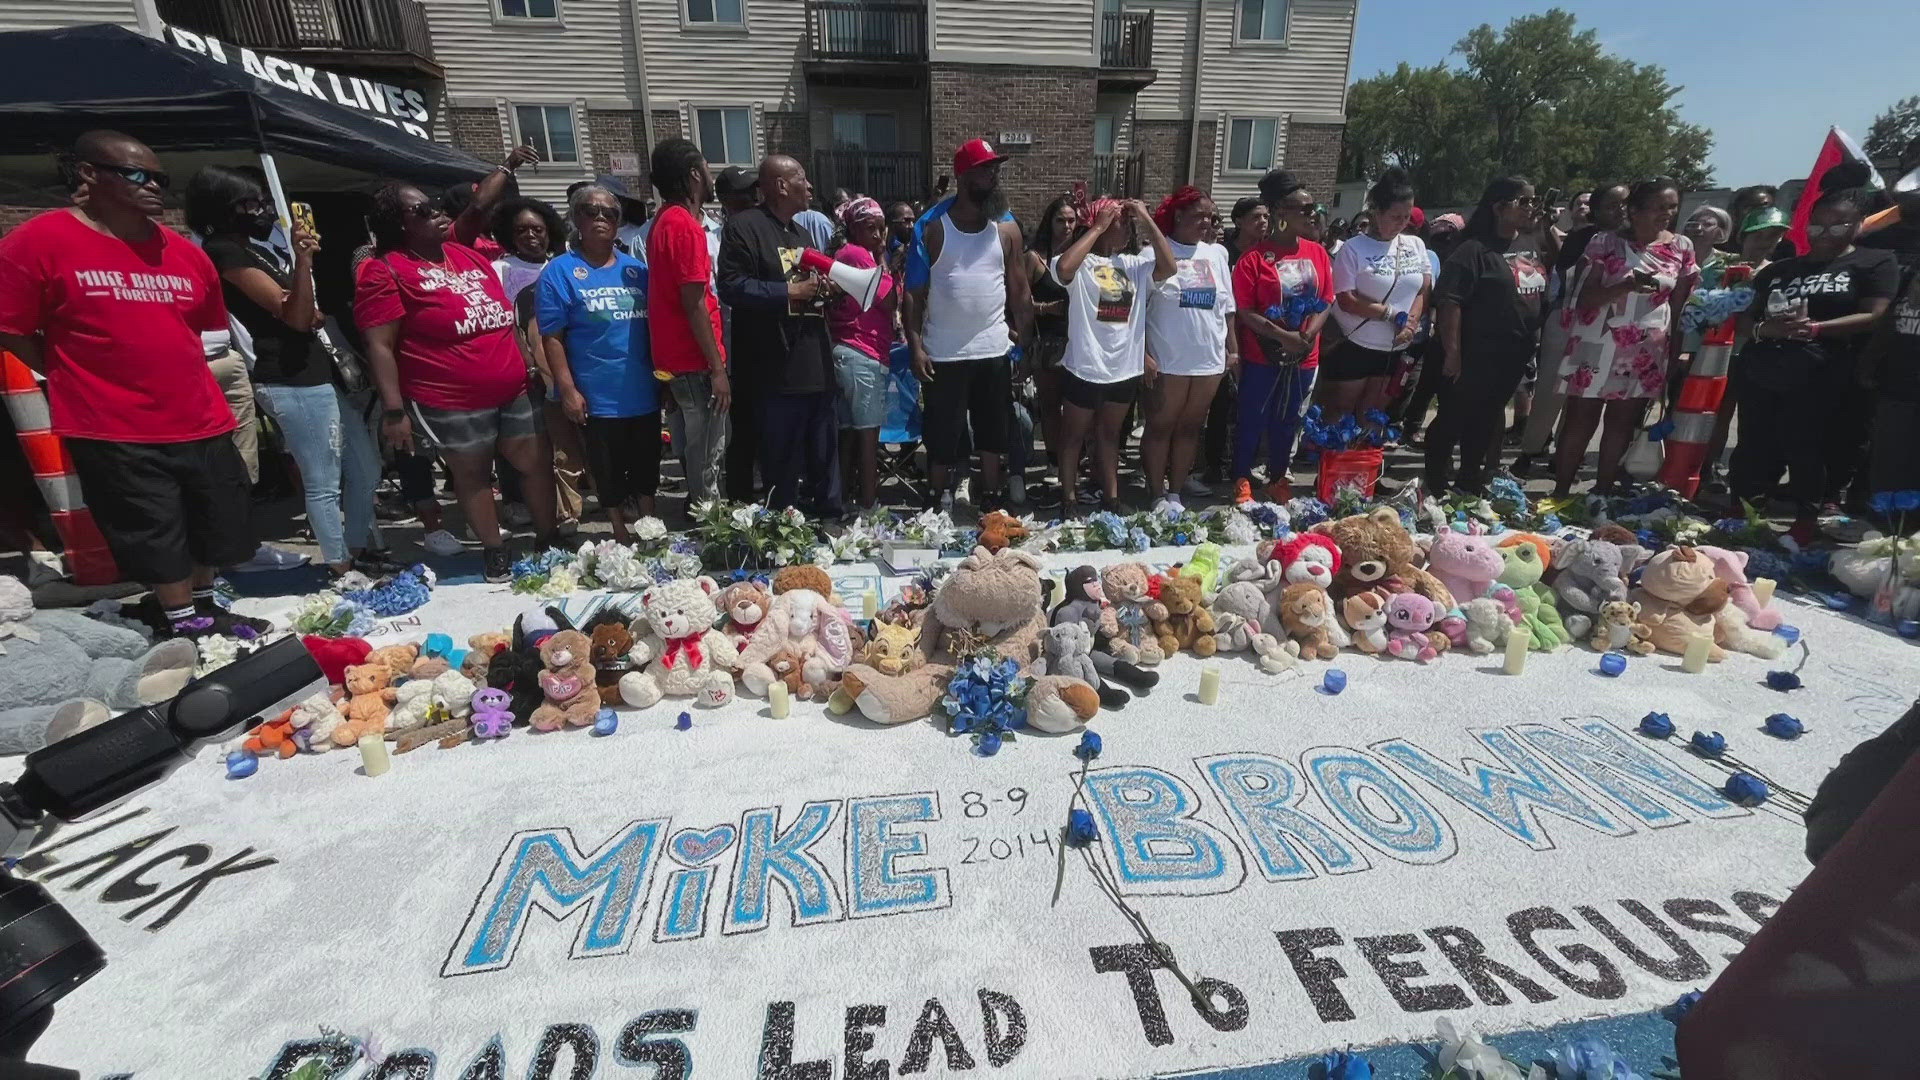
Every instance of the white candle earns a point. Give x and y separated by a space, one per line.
779 701
1694 661
1517 643
1210 685
1763 590
373 755
869 605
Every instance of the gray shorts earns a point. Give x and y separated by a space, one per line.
477 431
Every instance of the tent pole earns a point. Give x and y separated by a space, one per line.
273 187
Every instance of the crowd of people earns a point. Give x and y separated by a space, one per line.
551 355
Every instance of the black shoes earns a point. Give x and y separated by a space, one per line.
499 561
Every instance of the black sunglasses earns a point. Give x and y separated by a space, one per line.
422 210
137 176
604 213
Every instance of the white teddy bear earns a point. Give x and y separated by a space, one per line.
318 716
676 651
451 691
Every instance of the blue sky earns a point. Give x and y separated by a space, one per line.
1768 77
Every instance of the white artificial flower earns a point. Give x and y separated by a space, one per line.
794 516
824 557
742 517
1199 535
561 582
783 556
1240 529
1472 1059
216 651
649 528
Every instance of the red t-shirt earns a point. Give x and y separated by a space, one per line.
1265 277
677 254
122 327
457 348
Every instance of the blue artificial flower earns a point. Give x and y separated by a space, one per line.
1590 1059
1180 538
1882 502
1265 516
988 744
1648 539
1782 726
1137 539
1081 830
1342 1065
1906 500
1089 747
1746 789
1708 745
1681 1006
1782 681
1656 725
1551 523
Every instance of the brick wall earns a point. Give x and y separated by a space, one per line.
477 131
1203 163
666 125
1313 153
1163 143
12 216
789 133
1056 104
615 131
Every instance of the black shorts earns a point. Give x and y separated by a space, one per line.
1348 361
1080 393
167 508
623 456
961 391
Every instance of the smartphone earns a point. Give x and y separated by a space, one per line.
1553 197
303 217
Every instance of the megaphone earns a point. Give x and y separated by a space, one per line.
862 285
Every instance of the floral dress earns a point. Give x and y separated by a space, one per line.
1619 352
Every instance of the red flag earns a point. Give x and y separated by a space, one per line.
1838 148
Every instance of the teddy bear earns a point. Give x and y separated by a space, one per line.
818 631
609 643
1590 578
1376 551
1616 627
744 603
1732 568
805 576
367 698
492 719
275 738
1305 611
989 606
1466 563
1311 558
480 650
999 529
1682 596
895 649
566 682
1410 617
1366 613
1128 586
677 652
1632 555
1067 649
1084 602
419 703
1539 619
1488 624
786 667
314 721
1187 625
398 659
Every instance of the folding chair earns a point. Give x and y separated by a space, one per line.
900 432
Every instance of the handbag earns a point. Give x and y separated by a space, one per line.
1644 458
349 367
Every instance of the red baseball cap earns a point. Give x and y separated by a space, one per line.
1417 220
975 154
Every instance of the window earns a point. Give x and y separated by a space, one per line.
717 12
530 9
1250 143
1103 133
865 131
726 135
1263 20
549 129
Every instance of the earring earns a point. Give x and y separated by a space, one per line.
1282 226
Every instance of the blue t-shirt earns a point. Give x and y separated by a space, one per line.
818 225
603 313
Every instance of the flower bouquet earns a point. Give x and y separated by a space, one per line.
987 699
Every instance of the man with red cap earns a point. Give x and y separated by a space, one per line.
967 303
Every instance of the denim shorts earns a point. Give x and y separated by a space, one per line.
863 388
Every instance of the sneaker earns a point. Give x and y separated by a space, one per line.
1522 465
44 568
516 516
1047 498
1196 488
1088 497
1242 492
377 562
565 528
499 564
1017 491
268 557
230 623
192 629
1280 490
442 543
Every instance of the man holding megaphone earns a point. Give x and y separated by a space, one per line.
778 285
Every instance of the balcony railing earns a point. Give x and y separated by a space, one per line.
1121 175
886 175
1126 39
356 26
874 31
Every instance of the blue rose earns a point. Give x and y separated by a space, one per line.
1089 747
1590 1059
988 745
1681 1006
1746 789
1081 830
1906 500
1341 1065
1708 745
1882 502
1656 725
1782 681
1782 726
1649 539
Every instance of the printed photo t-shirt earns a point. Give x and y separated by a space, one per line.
1187 313
1265 277
602 310
1500 285
122 323
457 349
1106 331
1379 270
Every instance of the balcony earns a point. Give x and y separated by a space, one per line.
887 175
1126 51
387 35
866 42
1120 175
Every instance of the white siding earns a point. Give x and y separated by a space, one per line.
1015 31
51 14
1173 29
588 54
1308 74
714 66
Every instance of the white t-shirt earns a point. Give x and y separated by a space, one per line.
1187 313
1106 320
1378 270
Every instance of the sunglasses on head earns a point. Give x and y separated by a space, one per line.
137 176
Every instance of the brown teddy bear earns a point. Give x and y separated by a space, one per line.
1306 611
368 698
744 603
398 658
998 530
610 640
787 669
1128 587
1188 624
1376 551
807 576
480 650
571 696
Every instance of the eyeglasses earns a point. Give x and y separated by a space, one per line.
604 213
137 176
1838 232
1526 201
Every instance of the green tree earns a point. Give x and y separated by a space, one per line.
1894 130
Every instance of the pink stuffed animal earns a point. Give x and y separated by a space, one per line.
1731 567
1409 617
1467 564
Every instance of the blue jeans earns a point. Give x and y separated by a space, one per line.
1271 409
330 440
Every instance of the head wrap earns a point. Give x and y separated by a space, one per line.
1094 209
1450 221
858 209
1181 198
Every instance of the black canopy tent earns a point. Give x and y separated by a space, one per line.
192 110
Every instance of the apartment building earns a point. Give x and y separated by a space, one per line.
1134 96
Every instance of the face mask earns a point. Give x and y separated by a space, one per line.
260 224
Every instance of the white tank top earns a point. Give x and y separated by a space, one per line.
967 296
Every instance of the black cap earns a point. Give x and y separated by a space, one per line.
734 180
